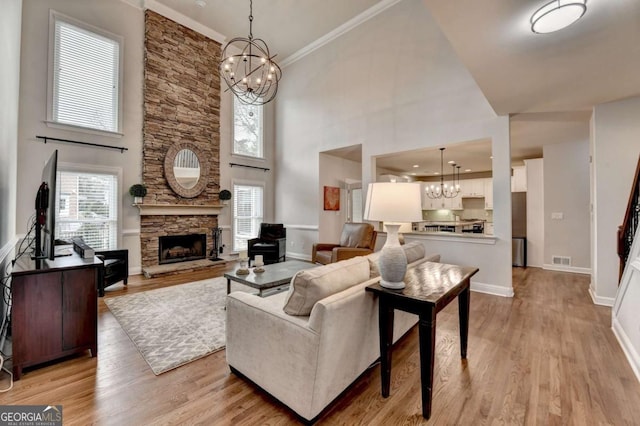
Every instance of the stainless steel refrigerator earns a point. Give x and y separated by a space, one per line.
519 228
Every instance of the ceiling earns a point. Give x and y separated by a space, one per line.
474 156
548 83
593 61
286 25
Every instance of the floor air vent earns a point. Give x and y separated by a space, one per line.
561 260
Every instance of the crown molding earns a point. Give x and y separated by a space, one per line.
339 31
178 17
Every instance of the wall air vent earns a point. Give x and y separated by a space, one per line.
561 260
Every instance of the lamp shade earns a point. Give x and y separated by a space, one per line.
393 202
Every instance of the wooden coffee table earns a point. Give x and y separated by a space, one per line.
276 276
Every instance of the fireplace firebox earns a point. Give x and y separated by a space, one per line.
181 248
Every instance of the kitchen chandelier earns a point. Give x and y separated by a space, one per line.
248 68
556 15
444 190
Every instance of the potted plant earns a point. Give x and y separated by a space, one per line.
138 191
225 196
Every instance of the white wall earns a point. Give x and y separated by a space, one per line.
615 147
566 184
535 212
118 18
10 22
333 172
392 84
229 175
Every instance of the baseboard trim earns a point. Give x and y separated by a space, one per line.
625 343
600 300
571 269
301 227
135 270
492 289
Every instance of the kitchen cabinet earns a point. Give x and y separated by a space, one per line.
426 201
472 188
519 179
442 203
454 203
488 194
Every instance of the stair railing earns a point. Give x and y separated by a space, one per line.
627 230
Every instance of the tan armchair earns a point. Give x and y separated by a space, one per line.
357 239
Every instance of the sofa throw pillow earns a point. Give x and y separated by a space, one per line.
374 271
432 258
414 251
311 285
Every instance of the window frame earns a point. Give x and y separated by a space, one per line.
97 169
235 182
234 99
55 16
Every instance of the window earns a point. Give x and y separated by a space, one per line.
87 207
247 214
85 75
355 205
247 129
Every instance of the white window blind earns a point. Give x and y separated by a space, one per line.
247 214
356 205
86 77
87 207
247 129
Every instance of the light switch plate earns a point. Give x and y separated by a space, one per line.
557 215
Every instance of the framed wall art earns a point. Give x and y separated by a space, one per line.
331 198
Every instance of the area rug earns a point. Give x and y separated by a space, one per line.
175 325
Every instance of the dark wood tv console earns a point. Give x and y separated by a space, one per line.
54 309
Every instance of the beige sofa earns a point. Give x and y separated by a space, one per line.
307 360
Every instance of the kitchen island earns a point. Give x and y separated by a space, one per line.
455 226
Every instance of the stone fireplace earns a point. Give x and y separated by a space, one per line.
181 106
182 248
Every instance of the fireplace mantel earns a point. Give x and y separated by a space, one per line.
179 209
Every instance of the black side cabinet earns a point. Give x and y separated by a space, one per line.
115 268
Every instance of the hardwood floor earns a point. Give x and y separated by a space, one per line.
546 356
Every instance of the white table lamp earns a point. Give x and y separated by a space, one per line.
396 203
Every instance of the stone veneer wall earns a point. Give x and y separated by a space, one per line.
153 227
181 104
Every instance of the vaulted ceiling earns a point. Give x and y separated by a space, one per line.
548 83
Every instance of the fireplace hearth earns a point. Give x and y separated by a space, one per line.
182 248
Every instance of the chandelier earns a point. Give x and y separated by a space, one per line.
248 68
445 190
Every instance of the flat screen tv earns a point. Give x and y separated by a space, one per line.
46 210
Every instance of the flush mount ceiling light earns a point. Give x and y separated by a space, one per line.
557 15
248 68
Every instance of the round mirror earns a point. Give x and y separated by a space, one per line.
185 169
